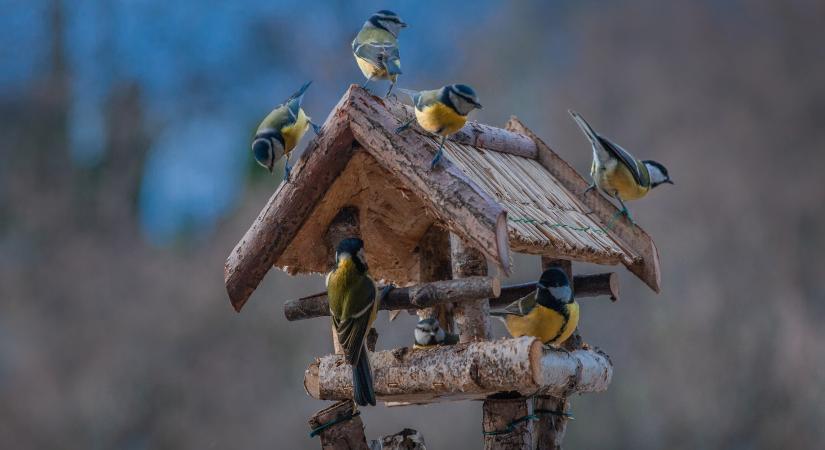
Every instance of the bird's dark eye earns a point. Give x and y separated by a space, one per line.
262 150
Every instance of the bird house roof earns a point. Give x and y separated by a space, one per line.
498 189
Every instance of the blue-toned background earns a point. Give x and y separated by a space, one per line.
126 178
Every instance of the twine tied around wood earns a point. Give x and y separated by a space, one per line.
511 427
547 223
342 418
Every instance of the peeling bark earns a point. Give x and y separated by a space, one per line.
472 316
466 371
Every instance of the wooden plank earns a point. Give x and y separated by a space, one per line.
472 316
623 231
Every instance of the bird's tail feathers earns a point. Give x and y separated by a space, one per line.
393 66
300 93
363 391
585 127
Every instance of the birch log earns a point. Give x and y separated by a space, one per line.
472 316
466 371
430 294
348 434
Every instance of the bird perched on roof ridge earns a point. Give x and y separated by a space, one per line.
375 47
281 130
428 333
442 111
550 313
353 305
616 172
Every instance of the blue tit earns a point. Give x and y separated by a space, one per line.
616 172
375 47
442 111
550 313
353 306
281 130
428 333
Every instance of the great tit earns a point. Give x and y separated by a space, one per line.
428 333
353 305
442 111
550 313
281 131
616 172
375 47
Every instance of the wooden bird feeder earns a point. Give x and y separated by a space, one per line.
432 233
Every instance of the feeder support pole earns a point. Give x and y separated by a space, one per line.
434 265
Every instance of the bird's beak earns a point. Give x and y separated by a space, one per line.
271 167
403 24
478 105
669 181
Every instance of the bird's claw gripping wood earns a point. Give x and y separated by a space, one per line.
404 127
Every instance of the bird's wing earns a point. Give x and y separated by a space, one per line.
624 157
293 103
377 53
354 322
522 306
615 150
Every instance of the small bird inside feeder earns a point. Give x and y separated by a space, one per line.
428 333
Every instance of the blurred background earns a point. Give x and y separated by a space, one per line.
126 179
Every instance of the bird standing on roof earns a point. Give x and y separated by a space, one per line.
550 313
428 333
617 172
281 130
442 111
353 305
376 47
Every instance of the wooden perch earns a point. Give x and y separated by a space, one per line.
415 297
439 292
466 371
594 285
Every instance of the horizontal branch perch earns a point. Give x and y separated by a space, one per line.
414 297
466 371
472 288
583 286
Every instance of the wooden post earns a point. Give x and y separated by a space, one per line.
472 317
344 430
502 428
434 257
406 439
550 427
